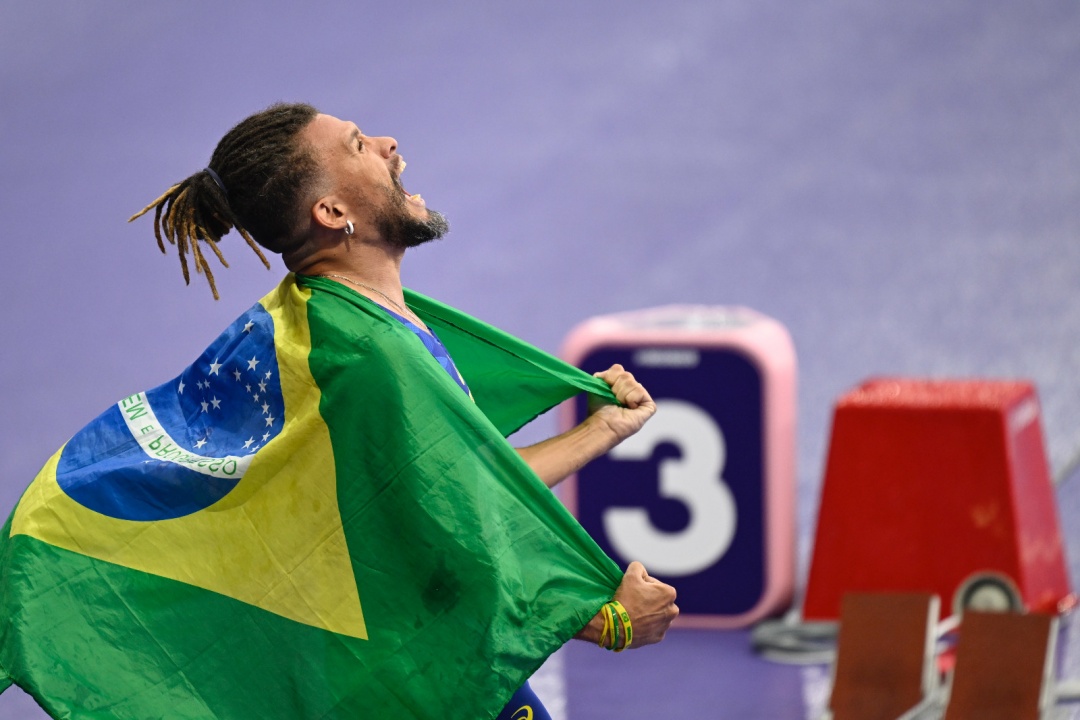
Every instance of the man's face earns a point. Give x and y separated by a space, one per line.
366 172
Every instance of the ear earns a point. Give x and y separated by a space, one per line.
329 212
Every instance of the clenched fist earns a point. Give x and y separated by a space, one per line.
636 405
649 603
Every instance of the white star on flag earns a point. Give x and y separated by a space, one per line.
221 418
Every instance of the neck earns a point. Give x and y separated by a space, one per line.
374 265
371 270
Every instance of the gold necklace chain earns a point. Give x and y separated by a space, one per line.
404 310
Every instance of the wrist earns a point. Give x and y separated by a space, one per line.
618 632
593 629
606 437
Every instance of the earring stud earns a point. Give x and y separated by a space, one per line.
348 227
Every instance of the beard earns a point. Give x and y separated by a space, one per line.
397 225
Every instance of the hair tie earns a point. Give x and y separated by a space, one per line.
216 179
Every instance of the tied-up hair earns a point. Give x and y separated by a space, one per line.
256 182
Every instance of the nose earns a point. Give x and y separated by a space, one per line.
387 146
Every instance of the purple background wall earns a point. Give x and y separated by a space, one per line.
897 183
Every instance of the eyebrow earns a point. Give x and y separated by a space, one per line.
355 134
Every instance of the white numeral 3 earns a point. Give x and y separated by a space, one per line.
694 479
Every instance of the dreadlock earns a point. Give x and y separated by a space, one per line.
257 177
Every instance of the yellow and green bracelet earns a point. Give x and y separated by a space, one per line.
615 619
624 620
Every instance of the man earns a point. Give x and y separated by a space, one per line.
328 198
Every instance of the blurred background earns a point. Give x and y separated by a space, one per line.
898 184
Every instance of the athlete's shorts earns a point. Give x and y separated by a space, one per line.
524 706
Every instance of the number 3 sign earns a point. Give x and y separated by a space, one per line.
703 495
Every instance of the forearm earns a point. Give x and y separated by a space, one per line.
557 458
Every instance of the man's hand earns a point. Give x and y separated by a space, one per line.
607 425
649 602
637 405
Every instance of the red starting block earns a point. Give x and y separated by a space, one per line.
940 487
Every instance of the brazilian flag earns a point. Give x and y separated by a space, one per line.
312 521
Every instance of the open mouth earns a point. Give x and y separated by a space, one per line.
414 199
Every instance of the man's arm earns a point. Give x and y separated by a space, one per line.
607 425
649 602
